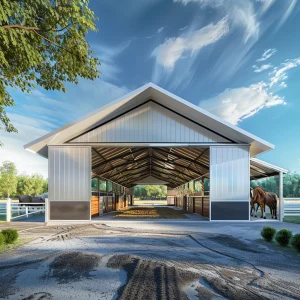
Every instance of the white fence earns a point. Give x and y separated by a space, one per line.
15 210
291 207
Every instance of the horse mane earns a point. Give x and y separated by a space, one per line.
259 190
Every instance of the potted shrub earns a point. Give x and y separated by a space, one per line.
268 233
296 241
283 237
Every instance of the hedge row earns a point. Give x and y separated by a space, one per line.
283 237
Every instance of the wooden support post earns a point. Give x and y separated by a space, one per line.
281 200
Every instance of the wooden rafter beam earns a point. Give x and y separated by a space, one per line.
118 157
174 172
135 171
128 164
170 179
183 157
172 163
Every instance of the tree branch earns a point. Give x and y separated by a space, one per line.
20 27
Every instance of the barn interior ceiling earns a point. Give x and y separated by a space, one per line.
176 166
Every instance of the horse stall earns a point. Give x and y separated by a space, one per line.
184 203
94 206
171 200
190 204
109 204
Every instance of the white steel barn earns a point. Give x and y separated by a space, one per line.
151 136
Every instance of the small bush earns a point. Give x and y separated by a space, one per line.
296 241
283 237
2 239
10 235
268 233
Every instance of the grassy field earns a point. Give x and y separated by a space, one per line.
150 213
292 219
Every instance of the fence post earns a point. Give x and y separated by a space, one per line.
46 210
281 200
8 209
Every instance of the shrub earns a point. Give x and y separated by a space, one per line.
268 233
283 237
10 235
2 239
296 241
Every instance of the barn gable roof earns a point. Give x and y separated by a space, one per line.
138 97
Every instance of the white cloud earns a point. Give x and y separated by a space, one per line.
265 5
28 130
107 56
261 68
267 54
160 29
289 9
240 13
279 74
234 105
168 53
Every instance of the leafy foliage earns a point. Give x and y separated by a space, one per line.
296 241
291 185
12 184
33 185
10 235
283 237
150 191
43 42
268 233
8 178
2 239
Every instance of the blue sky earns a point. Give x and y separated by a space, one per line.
237 59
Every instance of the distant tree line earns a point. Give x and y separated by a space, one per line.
14 185
291 185
150 191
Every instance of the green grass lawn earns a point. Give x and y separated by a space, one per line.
292 219
18 243
150 213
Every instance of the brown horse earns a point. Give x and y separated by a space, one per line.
259 197
271 202
262 199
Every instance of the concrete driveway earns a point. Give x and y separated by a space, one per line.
149 260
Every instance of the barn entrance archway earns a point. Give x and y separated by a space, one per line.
183 172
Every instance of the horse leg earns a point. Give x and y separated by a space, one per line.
264 211
255 210
271 210
262 207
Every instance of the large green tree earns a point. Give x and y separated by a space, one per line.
43 43
8 178
150 191
33 185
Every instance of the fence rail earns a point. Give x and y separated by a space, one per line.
291 207
12 210
26 209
